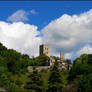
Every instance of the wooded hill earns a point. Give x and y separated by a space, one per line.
14 76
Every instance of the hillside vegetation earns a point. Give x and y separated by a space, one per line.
14 76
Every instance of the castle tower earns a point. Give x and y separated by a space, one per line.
44 49
61 57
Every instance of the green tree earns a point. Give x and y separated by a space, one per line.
42 60
90 59
84 58
35 83
68 61
82 73
85 83
55 82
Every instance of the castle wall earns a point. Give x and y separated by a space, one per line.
39 68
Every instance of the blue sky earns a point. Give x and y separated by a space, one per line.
47 10
66 26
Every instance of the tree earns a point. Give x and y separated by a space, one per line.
85 83
82 73
35 83
42 60
68 61
55 82
84 58
90 59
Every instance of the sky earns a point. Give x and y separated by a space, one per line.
64 25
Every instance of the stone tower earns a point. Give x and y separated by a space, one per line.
62 57
44 49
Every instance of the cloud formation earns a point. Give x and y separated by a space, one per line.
86 49
18 16
21 37
68 56
21 15
68 33
33 11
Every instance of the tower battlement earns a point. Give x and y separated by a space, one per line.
44 49
62 57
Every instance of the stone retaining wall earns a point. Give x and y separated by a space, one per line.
39 68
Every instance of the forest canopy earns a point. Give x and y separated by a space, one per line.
14 76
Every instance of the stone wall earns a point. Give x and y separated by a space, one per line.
39 68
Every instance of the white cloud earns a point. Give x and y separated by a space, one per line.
19 15
68 33
21 37
33 11
86 49
68 56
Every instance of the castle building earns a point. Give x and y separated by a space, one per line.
62 57
44 49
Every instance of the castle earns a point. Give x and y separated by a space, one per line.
45 49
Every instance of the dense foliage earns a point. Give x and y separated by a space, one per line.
55 82
81 72
13 68
35 82
14 76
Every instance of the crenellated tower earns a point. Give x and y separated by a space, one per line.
62 57
44 49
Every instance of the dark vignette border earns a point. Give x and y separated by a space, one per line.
45 0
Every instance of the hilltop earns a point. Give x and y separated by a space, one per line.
14 76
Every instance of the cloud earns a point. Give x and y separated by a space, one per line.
86 49
68 56
19 15
68 33
21 37
33 11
